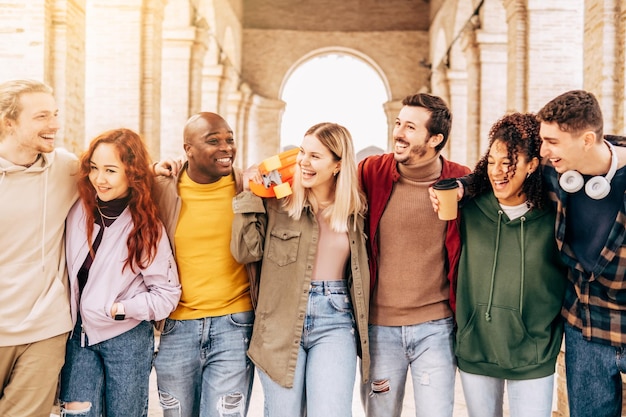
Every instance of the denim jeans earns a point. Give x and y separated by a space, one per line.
426 350
484 396
594 383
326 367
202 368
112 375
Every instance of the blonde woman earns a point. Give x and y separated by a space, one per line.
311 318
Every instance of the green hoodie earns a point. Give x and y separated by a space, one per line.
509 295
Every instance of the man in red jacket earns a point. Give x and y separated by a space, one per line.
412 303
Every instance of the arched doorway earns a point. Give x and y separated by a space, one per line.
335 87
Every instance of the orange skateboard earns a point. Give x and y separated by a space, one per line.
277 173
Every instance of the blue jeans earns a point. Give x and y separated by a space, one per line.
484 396
326 367
202 367
112 375
426 350
594 383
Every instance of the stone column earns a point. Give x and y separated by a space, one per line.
263 133
151 58
473 92
541 68
620 116
492 59
457 147
175 87
604 56
238 111
67 71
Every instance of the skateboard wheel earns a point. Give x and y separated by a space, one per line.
271 163
282 190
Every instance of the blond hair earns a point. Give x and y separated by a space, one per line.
349 199
10 93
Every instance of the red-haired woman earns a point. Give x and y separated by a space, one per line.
122 276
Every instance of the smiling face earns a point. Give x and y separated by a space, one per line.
37 124
564 150
507 179
413 142
210 148
107 173
317 165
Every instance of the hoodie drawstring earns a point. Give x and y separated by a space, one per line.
43 221
523 273
493 269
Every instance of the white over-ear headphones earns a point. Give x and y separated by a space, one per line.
597 187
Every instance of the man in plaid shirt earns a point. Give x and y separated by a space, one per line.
587 180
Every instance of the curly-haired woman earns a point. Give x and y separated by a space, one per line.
122 277
511 281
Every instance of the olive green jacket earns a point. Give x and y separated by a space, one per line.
263 230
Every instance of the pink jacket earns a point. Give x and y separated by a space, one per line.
148 294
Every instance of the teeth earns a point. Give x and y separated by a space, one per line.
47 136
305 172
401 145
223 160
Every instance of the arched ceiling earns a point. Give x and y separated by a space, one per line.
337 15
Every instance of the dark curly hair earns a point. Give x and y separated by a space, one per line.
520 133
574 112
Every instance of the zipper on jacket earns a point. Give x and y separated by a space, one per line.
82 336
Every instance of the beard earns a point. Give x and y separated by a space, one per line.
416 152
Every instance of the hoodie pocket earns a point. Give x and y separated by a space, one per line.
503 340
283 246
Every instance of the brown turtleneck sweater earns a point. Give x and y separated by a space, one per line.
412 286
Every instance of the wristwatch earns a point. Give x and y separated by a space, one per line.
120 314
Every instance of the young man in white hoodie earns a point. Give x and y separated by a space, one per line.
38 188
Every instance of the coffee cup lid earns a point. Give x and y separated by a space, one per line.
446 184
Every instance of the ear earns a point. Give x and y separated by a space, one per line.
589 139
8 123
435 140
187 148
337 169
533 165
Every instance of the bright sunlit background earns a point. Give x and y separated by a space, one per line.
335 88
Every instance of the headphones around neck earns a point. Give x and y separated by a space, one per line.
597 187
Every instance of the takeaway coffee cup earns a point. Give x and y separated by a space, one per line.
446 191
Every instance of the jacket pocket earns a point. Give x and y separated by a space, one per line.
503 341
283 246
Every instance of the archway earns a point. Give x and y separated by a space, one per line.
335 86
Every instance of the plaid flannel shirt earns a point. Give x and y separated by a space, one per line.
595 301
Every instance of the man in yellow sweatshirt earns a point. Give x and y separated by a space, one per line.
202 367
